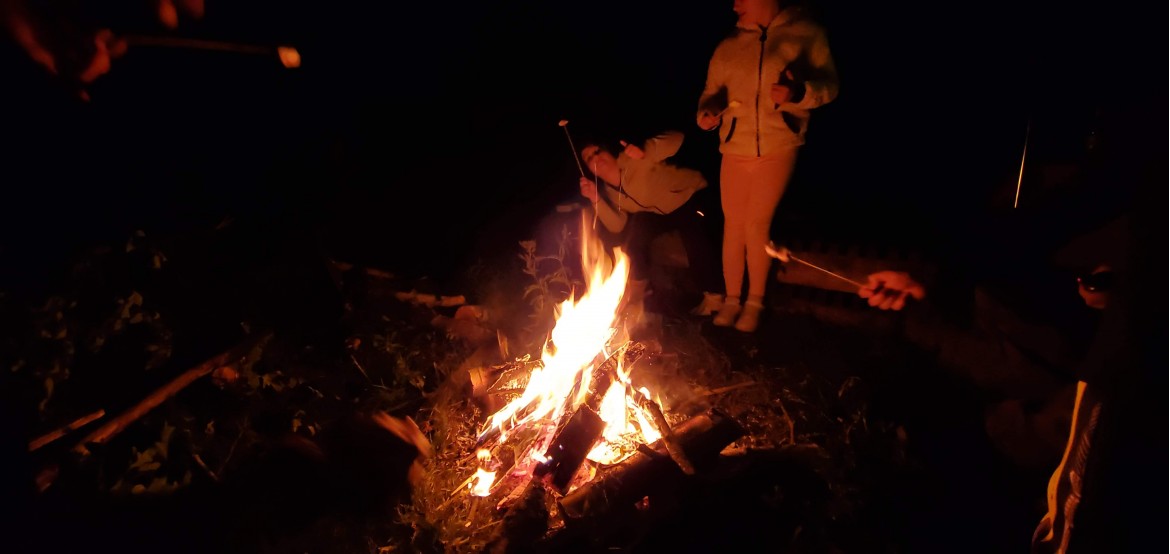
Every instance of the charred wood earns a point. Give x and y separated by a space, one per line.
616 490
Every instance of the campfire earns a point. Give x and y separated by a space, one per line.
574 415
577 408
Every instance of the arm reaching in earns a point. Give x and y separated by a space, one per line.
888 290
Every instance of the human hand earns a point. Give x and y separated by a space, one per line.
887 290
168 12
633 150
69 48
708 120
589 189
781 94
785 90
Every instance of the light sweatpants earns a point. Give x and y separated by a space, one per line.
750 190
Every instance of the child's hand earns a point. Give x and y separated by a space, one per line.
589 189
633 151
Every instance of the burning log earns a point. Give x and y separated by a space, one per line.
603 376
702 438
606 373
569 448
576 438
668 439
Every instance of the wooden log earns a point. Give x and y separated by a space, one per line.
63 430
569 447
234 356
580 433
652 409
617 489
606 373
603 375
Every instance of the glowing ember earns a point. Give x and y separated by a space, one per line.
481 483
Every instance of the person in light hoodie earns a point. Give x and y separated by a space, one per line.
762 82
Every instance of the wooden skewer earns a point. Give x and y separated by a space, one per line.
288 55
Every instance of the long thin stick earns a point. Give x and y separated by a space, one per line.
784 254
59 432
116 425
841 277
1020 179
565 126
197 44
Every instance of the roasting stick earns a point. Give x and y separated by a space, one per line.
783 254
289 57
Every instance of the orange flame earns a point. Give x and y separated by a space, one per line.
481 483
583 329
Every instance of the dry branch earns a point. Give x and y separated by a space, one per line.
619 487
430 300
234 356
652 409
59 432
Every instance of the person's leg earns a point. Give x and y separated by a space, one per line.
638 234
701 258
768 179
700 252
734 194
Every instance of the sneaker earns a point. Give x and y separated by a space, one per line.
749 319
726 314
711 303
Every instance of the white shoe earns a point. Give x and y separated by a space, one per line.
726 315
749 319
711 303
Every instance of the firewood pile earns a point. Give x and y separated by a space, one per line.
543 492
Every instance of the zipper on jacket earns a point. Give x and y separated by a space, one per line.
760 85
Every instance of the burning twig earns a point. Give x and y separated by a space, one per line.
602 377
606 373
652 408
704 436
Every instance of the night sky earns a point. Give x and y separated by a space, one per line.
421 135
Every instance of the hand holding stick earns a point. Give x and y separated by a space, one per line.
564 124
783 254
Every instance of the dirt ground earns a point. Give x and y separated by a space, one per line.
852 442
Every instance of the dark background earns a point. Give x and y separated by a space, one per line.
422 137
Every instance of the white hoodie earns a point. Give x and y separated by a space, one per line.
744 67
